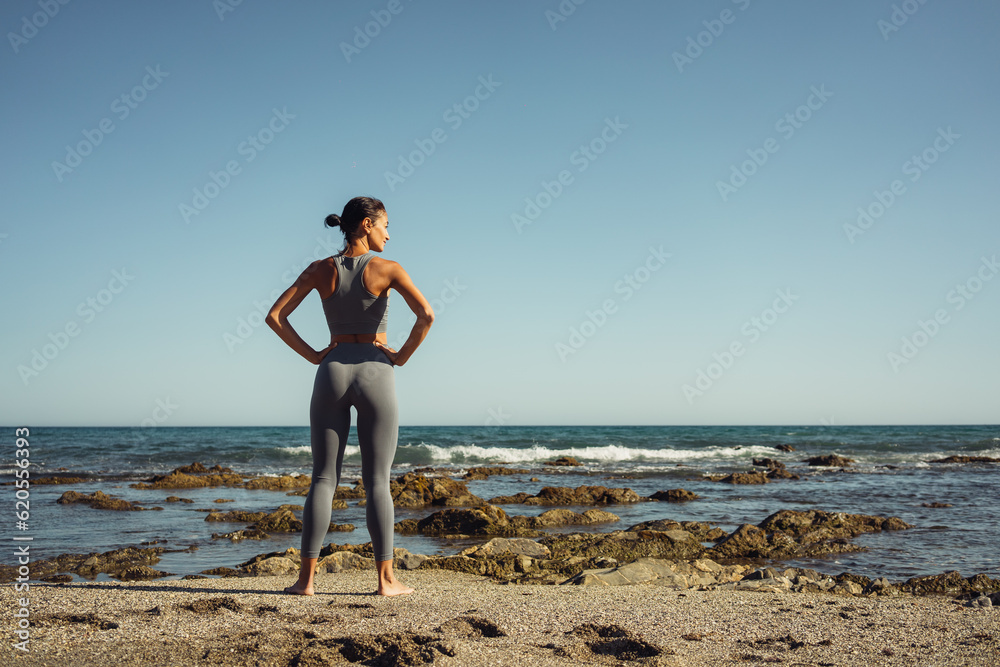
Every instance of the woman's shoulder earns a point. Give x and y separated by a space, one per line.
383 264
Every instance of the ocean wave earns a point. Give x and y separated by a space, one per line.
598 454
350 450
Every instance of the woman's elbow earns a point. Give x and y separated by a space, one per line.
273 319
427 316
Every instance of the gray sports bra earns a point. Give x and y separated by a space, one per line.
352 309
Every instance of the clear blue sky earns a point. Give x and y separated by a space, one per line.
116 113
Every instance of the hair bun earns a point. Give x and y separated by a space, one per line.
333 220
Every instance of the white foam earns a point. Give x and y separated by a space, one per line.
606 453
350 450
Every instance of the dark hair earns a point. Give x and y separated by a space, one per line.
355 211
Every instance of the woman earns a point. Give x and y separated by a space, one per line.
356 369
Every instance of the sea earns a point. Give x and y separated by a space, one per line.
892 476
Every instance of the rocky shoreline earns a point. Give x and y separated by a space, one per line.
517 549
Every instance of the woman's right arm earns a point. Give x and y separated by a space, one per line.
277 317
421 308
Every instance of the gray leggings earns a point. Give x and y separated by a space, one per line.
359 375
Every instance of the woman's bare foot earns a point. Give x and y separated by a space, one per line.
387 584
388 589
296 590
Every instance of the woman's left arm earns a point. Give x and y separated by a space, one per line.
277 317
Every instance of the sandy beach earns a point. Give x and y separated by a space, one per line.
462 619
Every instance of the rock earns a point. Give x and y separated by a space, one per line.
950 583
504 567
485 520
562 517
197 467
743 478
781 473
483 472
101 501
279 521
180 480
881 587
788 534
278 483
829 460
935 505
58 480
404 560
88 566
622 546
516 499
815 525
563 461
140 573
660 572
966 459
581 495
749 541
675 496
413 490
763 573
235 516
344 560
702 532
240 535
290 553
981 601
847 588
769 463
271 567
500 545
784 448
178 499
224 500
340 527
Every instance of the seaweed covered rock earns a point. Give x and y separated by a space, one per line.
702 532
414 490
484 472
485 520
38 481
793 534
951 584
742 478
281 520
181 480
279 483
966 459
625 546
830 460
113 563
563 517
816 525
518 546
235 516
581 495
675 496
101 501
562 461
197 468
